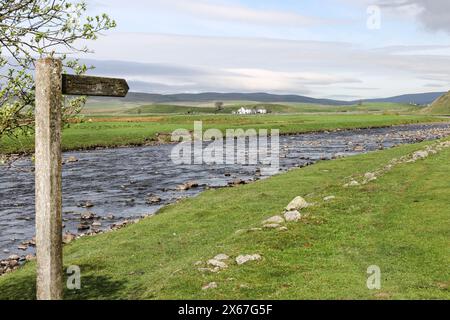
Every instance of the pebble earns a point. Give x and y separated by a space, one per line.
240 260
221 257
30 257
274 220
352 183
86 204
369 176
297 204
272 226
217 263
212 285
186 186
68 238
292 216
87 216
153 200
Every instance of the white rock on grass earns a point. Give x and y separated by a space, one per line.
275 219
246 258
329 198
352 183
212 285
297 204
369 176
212 270
420 155
292 216
217 263
272 226
221 257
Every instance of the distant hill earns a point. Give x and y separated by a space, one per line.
137 97
440 106
150 98
417 98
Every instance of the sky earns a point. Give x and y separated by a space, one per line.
337 49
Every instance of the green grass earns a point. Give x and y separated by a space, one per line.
440 106
107 131
117 108
399 222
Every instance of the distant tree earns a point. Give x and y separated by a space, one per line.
31 29
219 106
360 103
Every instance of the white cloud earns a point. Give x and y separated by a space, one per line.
432 14
218 10
170 63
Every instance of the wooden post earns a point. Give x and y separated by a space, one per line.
48 180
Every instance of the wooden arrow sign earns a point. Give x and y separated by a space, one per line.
93 86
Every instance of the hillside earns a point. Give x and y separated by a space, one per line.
148 98
440 106
417 98
137 99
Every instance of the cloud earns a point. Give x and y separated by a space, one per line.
432 14
214 10
218 10
173 63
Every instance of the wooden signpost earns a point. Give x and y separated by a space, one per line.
50 86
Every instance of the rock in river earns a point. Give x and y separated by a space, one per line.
188 185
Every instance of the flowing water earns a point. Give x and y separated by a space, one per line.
118 181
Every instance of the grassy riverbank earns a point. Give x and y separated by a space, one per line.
400 222
107 131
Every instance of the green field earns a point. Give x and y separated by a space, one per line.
117 108
399 222
108 131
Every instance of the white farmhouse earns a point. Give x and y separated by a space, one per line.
244 111
251 111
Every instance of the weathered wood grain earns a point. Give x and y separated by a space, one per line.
93 86
48 180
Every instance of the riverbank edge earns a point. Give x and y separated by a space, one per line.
6 158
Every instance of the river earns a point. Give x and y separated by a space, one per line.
118 182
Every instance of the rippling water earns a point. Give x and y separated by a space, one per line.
118 181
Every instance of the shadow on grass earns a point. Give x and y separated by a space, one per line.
95 287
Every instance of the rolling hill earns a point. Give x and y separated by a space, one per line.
152 98
416 98
147 98
440 106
